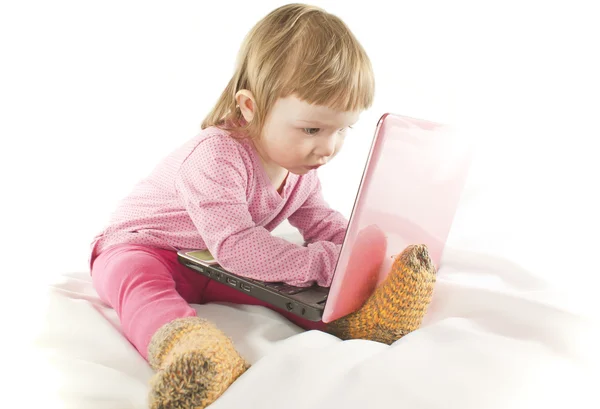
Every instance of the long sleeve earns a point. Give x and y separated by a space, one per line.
212 184
316 221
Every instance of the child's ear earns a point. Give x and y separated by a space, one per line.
247 104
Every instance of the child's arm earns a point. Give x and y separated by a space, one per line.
316 221
212 184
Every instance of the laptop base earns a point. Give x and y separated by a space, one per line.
305 302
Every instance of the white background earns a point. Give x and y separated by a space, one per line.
94 94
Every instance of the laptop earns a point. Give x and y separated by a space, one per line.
408 194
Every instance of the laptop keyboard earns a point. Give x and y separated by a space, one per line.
285 288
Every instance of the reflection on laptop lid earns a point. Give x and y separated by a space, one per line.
409 194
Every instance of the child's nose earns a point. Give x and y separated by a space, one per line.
327 146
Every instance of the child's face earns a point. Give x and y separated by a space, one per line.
300 137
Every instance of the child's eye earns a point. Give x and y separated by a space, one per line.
311 131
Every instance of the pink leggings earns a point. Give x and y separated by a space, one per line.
148 288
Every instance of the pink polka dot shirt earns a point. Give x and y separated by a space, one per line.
213 193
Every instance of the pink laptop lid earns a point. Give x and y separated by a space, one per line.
409 194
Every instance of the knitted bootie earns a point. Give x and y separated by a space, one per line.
397 306
195 364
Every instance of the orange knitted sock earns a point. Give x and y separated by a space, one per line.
195 362
397 306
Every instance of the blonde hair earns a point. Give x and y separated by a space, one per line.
296 49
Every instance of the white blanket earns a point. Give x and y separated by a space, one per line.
478 349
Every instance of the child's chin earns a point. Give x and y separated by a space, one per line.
300 171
